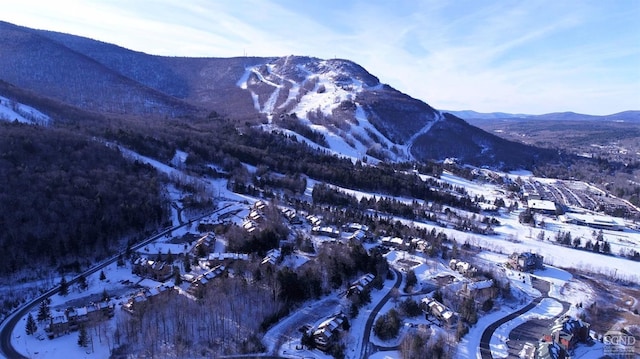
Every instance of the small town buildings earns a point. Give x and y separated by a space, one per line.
57 326
140 300
543 206
480 291
75 316
462 267
568 332
272 257
156 270
325 231
200 283
526 262
205 245
593 221
550 350
395 242
354 227
358 235
360 285
314 220
255 216
291 216
431 306
249 225
327 330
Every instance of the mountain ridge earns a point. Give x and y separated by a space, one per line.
337 98
470 115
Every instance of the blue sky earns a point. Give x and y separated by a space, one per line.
512 56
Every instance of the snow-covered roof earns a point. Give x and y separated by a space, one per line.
541 204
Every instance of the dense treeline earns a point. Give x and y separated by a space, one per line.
66 200
221 142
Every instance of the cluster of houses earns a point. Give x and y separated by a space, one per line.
74 317
140 300
200 283
324 334
291 216
157 270
526 262
562 339
214 259
255 217
404 244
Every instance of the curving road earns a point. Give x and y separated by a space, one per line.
366 348
6 327
541 285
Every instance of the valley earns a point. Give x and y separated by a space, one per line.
293 207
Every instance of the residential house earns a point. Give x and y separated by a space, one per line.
75 316
431 306
249 225
205 245
156 270
259 205
526 262
140 300
326 331
462 267
314 220
255 216
360 285
358 235
200 283
272 257
568 332
550 350
395 242
57 326
325 231
479 291
291 216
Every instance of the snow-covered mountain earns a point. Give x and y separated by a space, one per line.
334 103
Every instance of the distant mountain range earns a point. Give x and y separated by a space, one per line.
65 76
626 116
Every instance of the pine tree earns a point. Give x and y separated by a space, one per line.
187 263
177 276
83 338
82 283
43 311
102 276
169 257
606 247
64 287
31 327
120 261
105 295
